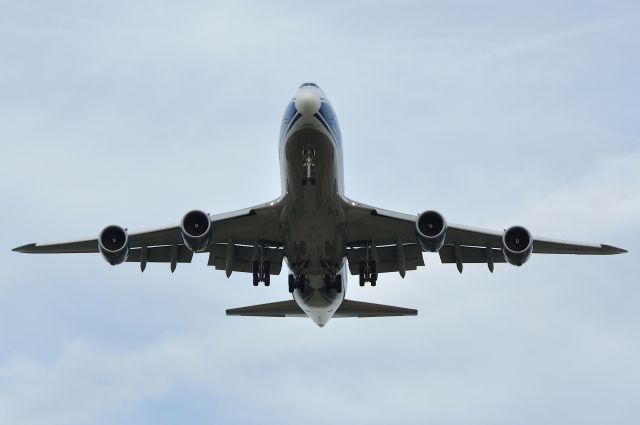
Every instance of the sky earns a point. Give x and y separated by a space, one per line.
494 113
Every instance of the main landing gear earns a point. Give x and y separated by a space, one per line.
368 272
335 283
309 156
261 273
296 282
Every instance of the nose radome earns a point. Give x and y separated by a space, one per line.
308 101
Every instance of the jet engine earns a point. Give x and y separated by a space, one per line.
113 244
431 230
195 228
517 245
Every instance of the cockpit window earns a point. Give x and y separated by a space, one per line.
309 85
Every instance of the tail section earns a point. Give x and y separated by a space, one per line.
348 308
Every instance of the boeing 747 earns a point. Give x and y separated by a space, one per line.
321 234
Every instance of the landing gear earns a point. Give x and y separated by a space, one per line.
368 272
261 273
309 156
335 283
296 282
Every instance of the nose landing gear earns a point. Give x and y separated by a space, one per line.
309 156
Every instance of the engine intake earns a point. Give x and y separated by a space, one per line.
431 230
195 228
517 245
113 244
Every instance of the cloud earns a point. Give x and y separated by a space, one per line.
135 113
605 200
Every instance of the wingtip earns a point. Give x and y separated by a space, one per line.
24 248
614 249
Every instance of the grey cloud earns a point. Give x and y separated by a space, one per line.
136 113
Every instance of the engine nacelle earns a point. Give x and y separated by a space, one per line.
431 230
195 228
113 244
517 245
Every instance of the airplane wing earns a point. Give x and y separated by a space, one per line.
236 240
397 248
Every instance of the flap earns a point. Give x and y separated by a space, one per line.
387 258
244 256
470 255
161 254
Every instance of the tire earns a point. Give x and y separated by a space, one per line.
292 283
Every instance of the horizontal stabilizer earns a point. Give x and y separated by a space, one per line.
277 309
348 308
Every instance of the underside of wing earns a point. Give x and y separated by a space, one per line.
473 236
390 240
236 240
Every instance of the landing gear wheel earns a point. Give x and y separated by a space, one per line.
267 274
374 273
256 276
296 283
300 282
335 283
368 272
292 283
327 282
261 273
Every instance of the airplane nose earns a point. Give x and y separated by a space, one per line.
308 102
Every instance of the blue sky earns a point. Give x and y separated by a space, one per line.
494 113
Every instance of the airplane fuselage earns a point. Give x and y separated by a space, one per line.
313 219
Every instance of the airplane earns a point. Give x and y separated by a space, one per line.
321 234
